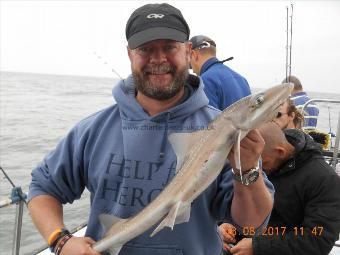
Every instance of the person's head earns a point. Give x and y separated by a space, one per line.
295 81
158 49
276 150
203 48
289 116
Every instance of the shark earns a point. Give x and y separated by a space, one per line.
201 156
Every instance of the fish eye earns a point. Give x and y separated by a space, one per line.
258 101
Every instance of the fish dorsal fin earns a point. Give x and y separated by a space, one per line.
179 213
182 143
107 221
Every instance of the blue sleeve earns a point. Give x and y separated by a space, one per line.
222 203
60 174
236 88
246 90
212 90
233 86
222 91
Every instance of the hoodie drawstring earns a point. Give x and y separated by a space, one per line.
165 138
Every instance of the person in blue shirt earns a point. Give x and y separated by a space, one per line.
299 98
122 155
222 85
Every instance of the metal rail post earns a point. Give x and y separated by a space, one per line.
19 198
336 146
18 226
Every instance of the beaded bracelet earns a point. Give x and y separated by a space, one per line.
61 243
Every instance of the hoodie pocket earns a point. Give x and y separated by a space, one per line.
150 250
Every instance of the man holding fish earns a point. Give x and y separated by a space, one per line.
158 157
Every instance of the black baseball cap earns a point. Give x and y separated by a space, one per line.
201 41
156 21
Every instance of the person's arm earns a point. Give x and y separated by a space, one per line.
56 181
252 204
254 199
47 215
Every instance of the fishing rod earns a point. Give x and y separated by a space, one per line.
7 177
289 37
17 193
106 63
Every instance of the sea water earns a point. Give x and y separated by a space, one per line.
36 111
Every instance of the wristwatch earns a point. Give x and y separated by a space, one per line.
248 177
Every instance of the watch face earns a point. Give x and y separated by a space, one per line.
252 177
248 178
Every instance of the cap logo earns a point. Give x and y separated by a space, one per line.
155 16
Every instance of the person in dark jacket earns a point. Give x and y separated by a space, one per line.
306 214
222 85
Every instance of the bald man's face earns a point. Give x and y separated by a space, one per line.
276 150
271 160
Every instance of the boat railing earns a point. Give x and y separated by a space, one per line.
337 136
19 198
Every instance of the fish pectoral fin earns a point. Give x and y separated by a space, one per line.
237 151
114 250
107 221
181 144
179 213
237 155
183 213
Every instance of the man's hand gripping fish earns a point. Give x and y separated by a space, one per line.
201 156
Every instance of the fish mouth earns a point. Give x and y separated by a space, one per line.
276 109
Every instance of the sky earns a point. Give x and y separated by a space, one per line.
88 38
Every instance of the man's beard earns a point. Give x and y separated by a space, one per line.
144 85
